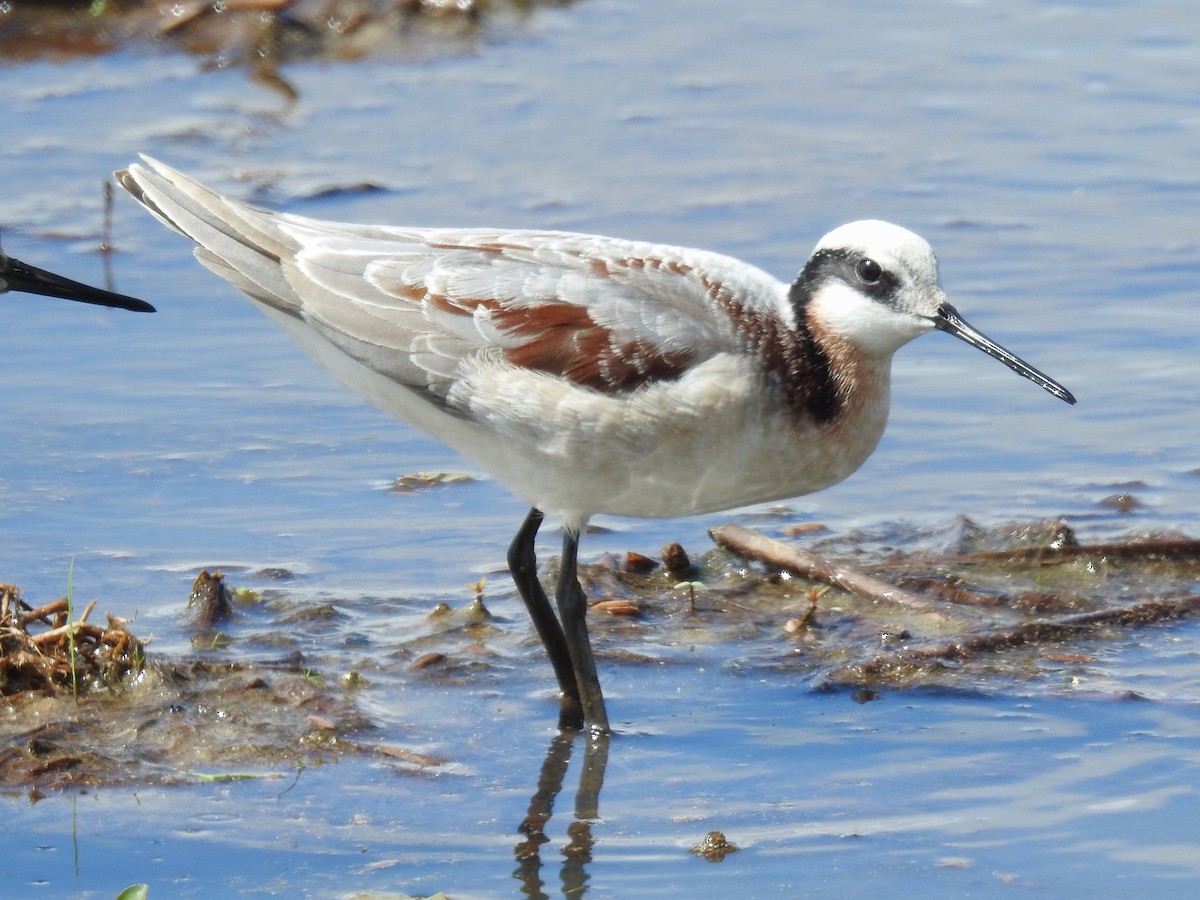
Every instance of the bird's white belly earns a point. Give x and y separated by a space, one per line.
715 439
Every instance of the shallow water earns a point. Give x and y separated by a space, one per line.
1047 151
946 795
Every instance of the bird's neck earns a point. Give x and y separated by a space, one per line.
814 372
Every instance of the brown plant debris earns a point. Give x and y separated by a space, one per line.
46 652
208 716
929 623
260 33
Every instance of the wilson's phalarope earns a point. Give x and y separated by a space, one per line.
18 276
591 374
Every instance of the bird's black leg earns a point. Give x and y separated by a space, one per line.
572 609
522 563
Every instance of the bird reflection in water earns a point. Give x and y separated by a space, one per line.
577 852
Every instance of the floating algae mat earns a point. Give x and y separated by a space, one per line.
962 608
89 706
1018 602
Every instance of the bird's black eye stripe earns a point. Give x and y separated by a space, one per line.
868 271
848 266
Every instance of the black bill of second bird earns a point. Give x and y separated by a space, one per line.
24 278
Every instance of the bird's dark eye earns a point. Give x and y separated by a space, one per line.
869 271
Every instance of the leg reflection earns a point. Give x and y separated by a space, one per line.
577 852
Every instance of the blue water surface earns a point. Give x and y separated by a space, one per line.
1048 151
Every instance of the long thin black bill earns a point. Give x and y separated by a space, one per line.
949 321
18 276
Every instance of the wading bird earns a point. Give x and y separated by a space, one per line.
591 374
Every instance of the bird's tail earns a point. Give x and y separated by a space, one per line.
243 244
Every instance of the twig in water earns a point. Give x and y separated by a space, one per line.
776 553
